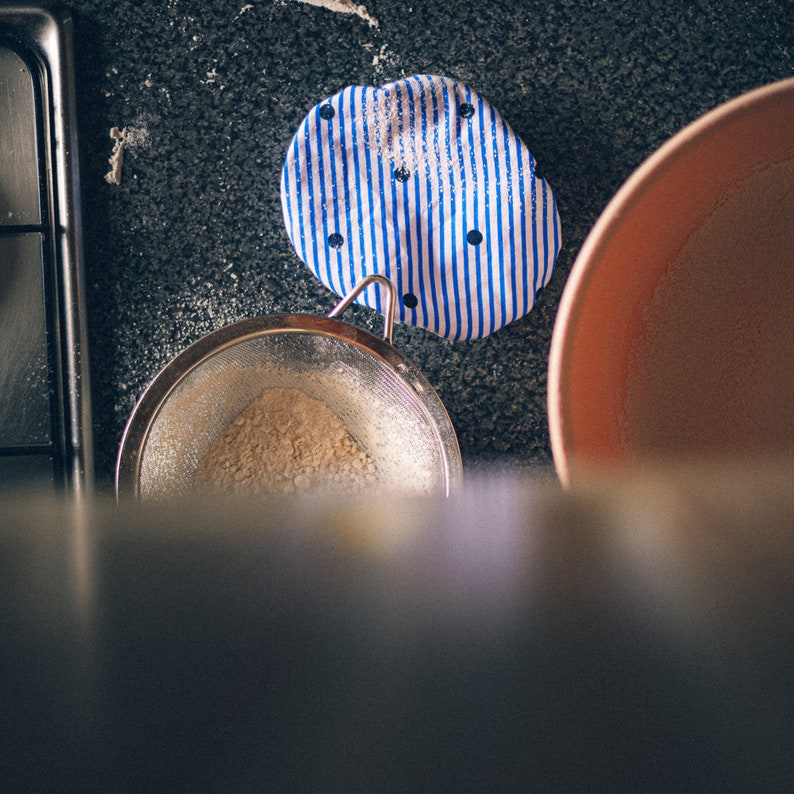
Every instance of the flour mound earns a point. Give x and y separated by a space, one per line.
285 442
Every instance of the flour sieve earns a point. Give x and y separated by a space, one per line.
385 403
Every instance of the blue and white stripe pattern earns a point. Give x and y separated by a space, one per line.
424 182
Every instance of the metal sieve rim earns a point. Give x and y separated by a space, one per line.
154 397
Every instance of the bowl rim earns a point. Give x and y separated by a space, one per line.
631 192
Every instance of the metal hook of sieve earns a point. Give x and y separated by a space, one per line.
391 296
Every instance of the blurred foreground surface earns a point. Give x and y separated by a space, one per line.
627 635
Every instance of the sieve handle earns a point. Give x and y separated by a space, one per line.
388 314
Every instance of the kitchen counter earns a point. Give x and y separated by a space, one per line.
210 93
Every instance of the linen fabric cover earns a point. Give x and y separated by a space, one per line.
424 182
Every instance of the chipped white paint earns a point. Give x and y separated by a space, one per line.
113 177
344 7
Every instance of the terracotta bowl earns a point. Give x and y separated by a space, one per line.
675 332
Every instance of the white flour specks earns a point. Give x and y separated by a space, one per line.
391 128
138 136
380 57
384 62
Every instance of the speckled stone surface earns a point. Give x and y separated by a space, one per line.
211 93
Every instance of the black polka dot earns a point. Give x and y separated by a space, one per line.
410 300
474 237
327 112
335 240
466 110
402 174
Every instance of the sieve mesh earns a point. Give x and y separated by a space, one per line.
384 403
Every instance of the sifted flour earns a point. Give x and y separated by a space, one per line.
285 442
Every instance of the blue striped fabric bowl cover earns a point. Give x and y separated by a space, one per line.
424 182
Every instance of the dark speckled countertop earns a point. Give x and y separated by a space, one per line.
211 93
